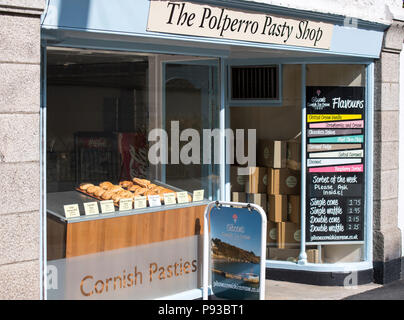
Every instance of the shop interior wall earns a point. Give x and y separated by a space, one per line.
74 109
274 122
80 107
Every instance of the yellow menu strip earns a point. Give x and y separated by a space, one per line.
332 117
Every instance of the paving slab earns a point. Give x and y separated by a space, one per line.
391 291
283 290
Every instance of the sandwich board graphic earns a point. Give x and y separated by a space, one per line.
234 249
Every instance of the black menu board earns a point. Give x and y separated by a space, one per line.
335 151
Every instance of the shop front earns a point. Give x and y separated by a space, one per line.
152 109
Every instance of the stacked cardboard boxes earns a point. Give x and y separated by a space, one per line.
237 181
283 189
272 234
293 153
250 188
282 160
275 186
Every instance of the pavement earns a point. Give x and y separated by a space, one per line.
391 291
282 290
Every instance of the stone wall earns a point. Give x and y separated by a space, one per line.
387 235
19 148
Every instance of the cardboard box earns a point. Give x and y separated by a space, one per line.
283 181
237 182
271 153
292 255
294 214
288 235
278 208
283 254
239 197
257 180
272 234
342 253
313 256
293 154
258 199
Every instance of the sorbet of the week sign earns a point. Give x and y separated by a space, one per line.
217 22
335 131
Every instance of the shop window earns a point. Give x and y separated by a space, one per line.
189 84
275 182
136 204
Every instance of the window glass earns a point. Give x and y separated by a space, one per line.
274 183
189 84
121 211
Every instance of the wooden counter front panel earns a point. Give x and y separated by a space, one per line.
109 234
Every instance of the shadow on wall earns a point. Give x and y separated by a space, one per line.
68 11
74 9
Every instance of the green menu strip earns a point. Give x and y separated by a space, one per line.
342 139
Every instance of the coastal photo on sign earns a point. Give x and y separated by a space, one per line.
236 253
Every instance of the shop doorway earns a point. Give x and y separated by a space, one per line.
190 102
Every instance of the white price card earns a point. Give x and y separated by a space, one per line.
182 197
198 195
140 202
125 204
107 206
72 211
91 208
169 198
154 200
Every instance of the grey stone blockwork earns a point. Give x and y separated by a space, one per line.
19 148
387 235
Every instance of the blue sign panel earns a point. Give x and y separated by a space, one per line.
236 246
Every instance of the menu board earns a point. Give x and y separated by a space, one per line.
335 150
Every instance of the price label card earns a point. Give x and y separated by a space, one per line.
140 202
154 201
125 204
91 208
169 198
107 206
198 195
182 197
72 211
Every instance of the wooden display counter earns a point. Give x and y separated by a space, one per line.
91 234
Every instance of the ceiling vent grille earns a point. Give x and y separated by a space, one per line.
254 82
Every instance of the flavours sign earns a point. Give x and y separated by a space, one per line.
178 17
335 130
